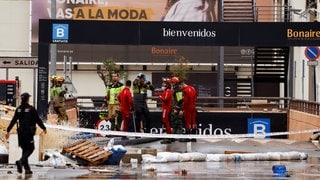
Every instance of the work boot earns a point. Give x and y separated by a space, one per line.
28 172
27 169
19 166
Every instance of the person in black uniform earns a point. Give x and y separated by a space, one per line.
139 90
26 117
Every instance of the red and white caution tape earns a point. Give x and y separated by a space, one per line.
176 136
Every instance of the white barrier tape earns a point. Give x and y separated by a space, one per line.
176 136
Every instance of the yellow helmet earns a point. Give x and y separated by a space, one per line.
53 78
59 79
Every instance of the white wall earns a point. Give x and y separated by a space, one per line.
15 28
301 74
87 83
15 33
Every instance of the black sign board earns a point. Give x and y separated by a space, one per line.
180 33
166 33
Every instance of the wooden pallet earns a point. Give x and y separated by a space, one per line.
88 151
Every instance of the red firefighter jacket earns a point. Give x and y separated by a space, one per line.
166 98
125 99
189 98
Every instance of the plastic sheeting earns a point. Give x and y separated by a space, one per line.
3 149
55 159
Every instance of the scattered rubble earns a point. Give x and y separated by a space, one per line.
53 158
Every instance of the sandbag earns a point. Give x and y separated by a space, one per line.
169 156
148 158
216 157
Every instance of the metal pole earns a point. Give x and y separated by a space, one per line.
70 67
220 65
252 74
294 75
221 76
53 47
34 87
302 87
18 90
290 78
7 73
65 66
314 84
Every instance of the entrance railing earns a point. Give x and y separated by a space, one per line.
273 13
204 103
229 104
305 106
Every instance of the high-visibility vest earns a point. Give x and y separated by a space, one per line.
112 92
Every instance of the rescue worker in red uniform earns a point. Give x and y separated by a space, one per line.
189 107
126 105
166 100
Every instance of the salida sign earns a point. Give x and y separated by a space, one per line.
20 62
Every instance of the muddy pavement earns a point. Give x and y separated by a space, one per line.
295 169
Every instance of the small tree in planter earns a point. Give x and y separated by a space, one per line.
181 68
105 73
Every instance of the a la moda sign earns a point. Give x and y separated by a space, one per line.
199 33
